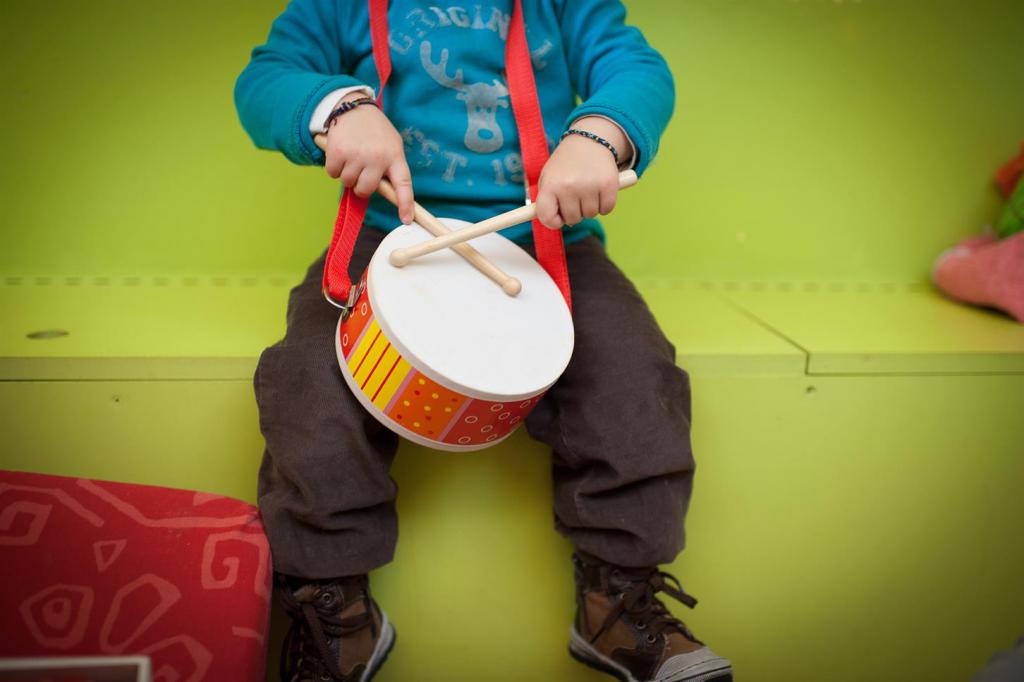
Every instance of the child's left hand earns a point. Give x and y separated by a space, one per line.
581 179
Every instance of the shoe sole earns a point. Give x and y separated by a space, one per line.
380 653
582 651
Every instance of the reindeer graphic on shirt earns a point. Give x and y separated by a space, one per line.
483 134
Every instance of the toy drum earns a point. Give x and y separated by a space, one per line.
442 356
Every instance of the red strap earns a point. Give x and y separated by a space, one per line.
379 40
352 209
532 140
533 143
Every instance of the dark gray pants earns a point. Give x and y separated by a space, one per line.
617 421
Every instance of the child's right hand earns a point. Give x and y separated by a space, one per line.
363 147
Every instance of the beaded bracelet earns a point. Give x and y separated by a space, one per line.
595 138
345 107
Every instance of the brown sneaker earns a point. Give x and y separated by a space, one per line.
623 629
338 633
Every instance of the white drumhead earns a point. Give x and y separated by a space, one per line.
459 328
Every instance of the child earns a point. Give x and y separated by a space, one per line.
618 420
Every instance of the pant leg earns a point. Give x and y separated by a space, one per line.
618 421
325 494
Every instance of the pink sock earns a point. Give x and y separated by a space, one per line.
985 272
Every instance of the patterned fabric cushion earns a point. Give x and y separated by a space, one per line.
97 568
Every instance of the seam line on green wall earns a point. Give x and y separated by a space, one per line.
757 320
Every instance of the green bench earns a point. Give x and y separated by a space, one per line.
848 464
859 438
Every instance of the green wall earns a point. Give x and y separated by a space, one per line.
830 139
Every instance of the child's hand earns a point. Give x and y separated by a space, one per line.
581 179
363 147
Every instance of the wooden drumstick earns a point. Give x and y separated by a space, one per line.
401 257
510 285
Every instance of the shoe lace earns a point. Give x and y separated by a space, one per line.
320 619
636 593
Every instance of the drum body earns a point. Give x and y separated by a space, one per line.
441 355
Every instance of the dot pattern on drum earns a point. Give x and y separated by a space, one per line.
412 401
426 407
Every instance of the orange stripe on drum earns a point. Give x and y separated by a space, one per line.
352 330
425 406
346 331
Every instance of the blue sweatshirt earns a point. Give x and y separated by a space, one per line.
447 94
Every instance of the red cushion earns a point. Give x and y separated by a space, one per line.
96 568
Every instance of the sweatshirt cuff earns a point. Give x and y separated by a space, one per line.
292 129
642 145
318 121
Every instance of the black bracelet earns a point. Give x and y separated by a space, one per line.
345 107
595 138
